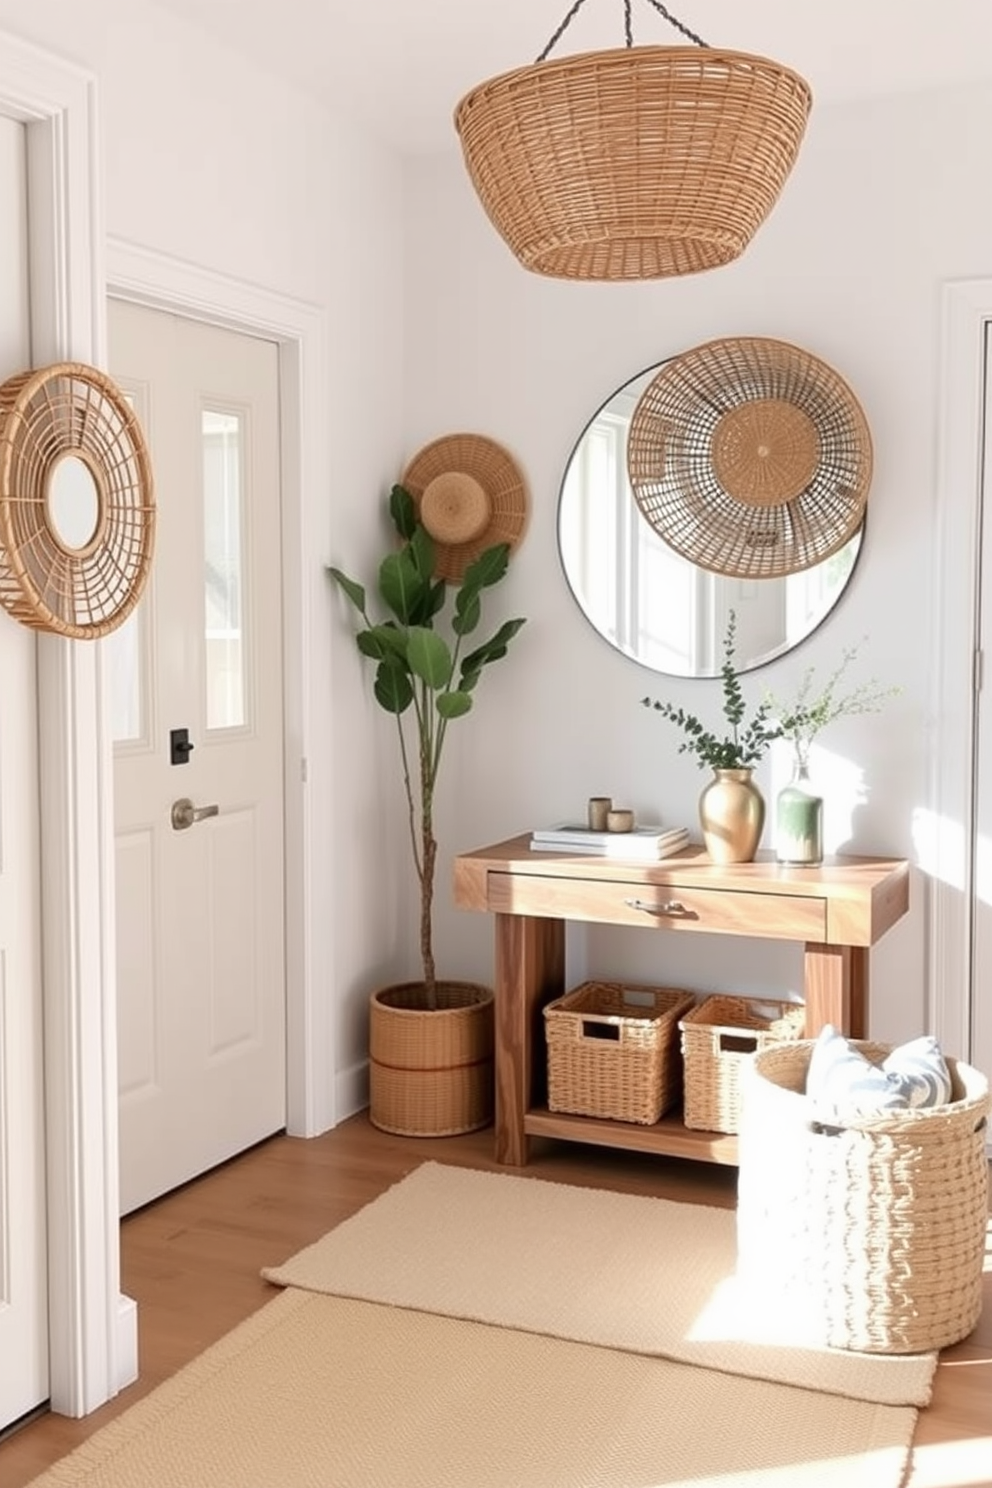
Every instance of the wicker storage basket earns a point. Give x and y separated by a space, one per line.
875 1232
613 1051
718 1038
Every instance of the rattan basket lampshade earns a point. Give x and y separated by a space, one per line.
470 494
636 163
750 457
80 589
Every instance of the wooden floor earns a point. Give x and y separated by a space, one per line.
192 1262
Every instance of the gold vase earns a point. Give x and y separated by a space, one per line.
732 816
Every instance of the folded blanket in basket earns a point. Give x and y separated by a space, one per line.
842 1084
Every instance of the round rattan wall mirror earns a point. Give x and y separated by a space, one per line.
649 602
77 508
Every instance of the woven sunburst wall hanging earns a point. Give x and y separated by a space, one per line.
750 457
77 507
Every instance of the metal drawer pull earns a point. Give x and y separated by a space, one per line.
673 908
184 813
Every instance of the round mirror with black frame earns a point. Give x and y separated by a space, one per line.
651 604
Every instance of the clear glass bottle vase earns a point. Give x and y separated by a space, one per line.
799 821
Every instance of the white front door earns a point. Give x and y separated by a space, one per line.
23 1249
198 719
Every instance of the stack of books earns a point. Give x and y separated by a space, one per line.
645 843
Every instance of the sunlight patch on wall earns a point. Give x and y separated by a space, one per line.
940 847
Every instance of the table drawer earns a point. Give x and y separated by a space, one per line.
663 906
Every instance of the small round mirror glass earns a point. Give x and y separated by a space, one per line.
73 502
654 606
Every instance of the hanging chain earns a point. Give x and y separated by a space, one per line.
628 27
673 21
561 29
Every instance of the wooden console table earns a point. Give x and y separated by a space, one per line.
838 911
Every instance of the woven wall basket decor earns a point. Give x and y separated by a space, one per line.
72 452
635 163
470 494
750 457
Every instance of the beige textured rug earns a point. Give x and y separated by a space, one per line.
326 1391
623 1271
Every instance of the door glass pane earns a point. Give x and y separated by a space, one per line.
124 666
222 527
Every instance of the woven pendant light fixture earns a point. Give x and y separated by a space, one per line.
750 457
642 162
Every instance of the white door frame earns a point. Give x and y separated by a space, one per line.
92 1344
946 835
92 1328
165 283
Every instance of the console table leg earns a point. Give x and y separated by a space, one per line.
837 989
530 971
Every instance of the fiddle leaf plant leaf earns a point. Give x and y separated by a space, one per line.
380 641
393 688
354 590
468 613
403 511
493 649
402 585
453 704
429 657
487 569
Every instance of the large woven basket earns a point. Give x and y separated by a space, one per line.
719 1038
613 1051
875 1232
431 1072
635 163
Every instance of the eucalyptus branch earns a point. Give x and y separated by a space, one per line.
746 741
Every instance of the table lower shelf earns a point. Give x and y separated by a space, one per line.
669 1136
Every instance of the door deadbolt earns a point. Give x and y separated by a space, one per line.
180 747
184 813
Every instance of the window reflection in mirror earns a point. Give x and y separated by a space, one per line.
654 606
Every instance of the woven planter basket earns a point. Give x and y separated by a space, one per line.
874 1232
636 163
431 1071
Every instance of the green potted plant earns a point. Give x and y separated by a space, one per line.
731 807
425 678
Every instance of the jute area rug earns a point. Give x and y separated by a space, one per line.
475 1330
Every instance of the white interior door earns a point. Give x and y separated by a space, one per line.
23 1249
200 914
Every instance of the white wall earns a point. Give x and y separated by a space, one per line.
218 164
886 203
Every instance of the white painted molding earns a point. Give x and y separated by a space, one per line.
154 279
57 101
947 849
